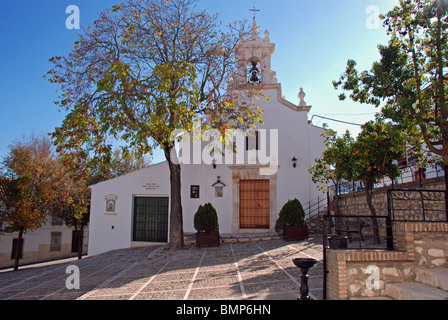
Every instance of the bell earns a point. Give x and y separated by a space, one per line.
254 77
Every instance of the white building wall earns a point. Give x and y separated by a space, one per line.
109 231
37 244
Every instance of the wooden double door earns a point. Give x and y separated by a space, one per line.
254 204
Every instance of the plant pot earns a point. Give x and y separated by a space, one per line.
211 239
337 242
295 233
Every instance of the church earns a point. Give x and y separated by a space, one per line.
271 168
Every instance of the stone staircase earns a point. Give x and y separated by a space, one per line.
429 284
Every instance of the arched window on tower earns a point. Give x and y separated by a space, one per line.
254 72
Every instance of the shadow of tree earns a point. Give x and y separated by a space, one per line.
253 270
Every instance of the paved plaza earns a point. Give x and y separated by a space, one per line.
254 270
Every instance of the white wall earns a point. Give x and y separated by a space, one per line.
109 232
36 244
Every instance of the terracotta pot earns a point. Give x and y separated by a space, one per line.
211 239
295 233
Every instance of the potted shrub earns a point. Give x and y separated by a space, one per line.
291 221
207 227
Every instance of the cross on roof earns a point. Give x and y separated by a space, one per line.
254 10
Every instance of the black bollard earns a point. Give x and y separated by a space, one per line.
304 265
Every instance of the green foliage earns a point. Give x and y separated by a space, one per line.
335 163
145 69
206 219
375 150
367 159
291 215
410 81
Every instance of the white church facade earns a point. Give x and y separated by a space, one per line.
133 210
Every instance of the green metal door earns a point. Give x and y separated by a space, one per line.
150 219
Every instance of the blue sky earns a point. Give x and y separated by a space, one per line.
314 40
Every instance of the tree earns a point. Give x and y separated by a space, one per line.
28 187
367 159
118 165
373 157
410 80
145 69
335 163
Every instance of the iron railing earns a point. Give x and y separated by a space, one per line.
417 205
358 232
316 206
408 174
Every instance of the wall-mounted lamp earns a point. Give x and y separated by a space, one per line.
214 163
294 162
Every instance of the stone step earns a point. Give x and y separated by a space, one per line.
435 277
235 238
190 238
414 291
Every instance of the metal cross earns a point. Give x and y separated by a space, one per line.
254 10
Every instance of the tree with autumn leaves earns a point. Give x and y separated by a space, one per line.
28 187
36 184
144 70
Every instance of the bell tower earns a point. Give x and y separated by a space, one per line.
254 56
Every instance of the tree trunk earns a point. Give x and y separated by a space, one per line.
445 171
80 236
376 234
18 251
176 239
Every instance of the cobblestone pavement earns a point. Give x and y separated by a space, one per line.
260 270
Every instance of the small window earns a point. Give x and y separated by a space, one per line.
55 242
194 192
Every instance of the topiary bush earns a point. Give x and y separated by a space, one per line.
206 219
291 215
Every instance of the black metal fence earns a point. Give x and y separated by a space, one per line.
417 205
358 232
408 174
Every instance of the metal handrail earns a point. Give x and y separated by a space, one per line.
316 206
408 174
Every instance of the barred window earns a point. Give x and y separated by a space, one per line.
194 192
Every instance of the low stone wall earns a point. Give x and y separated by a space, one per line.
356 204
364 273
315 223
